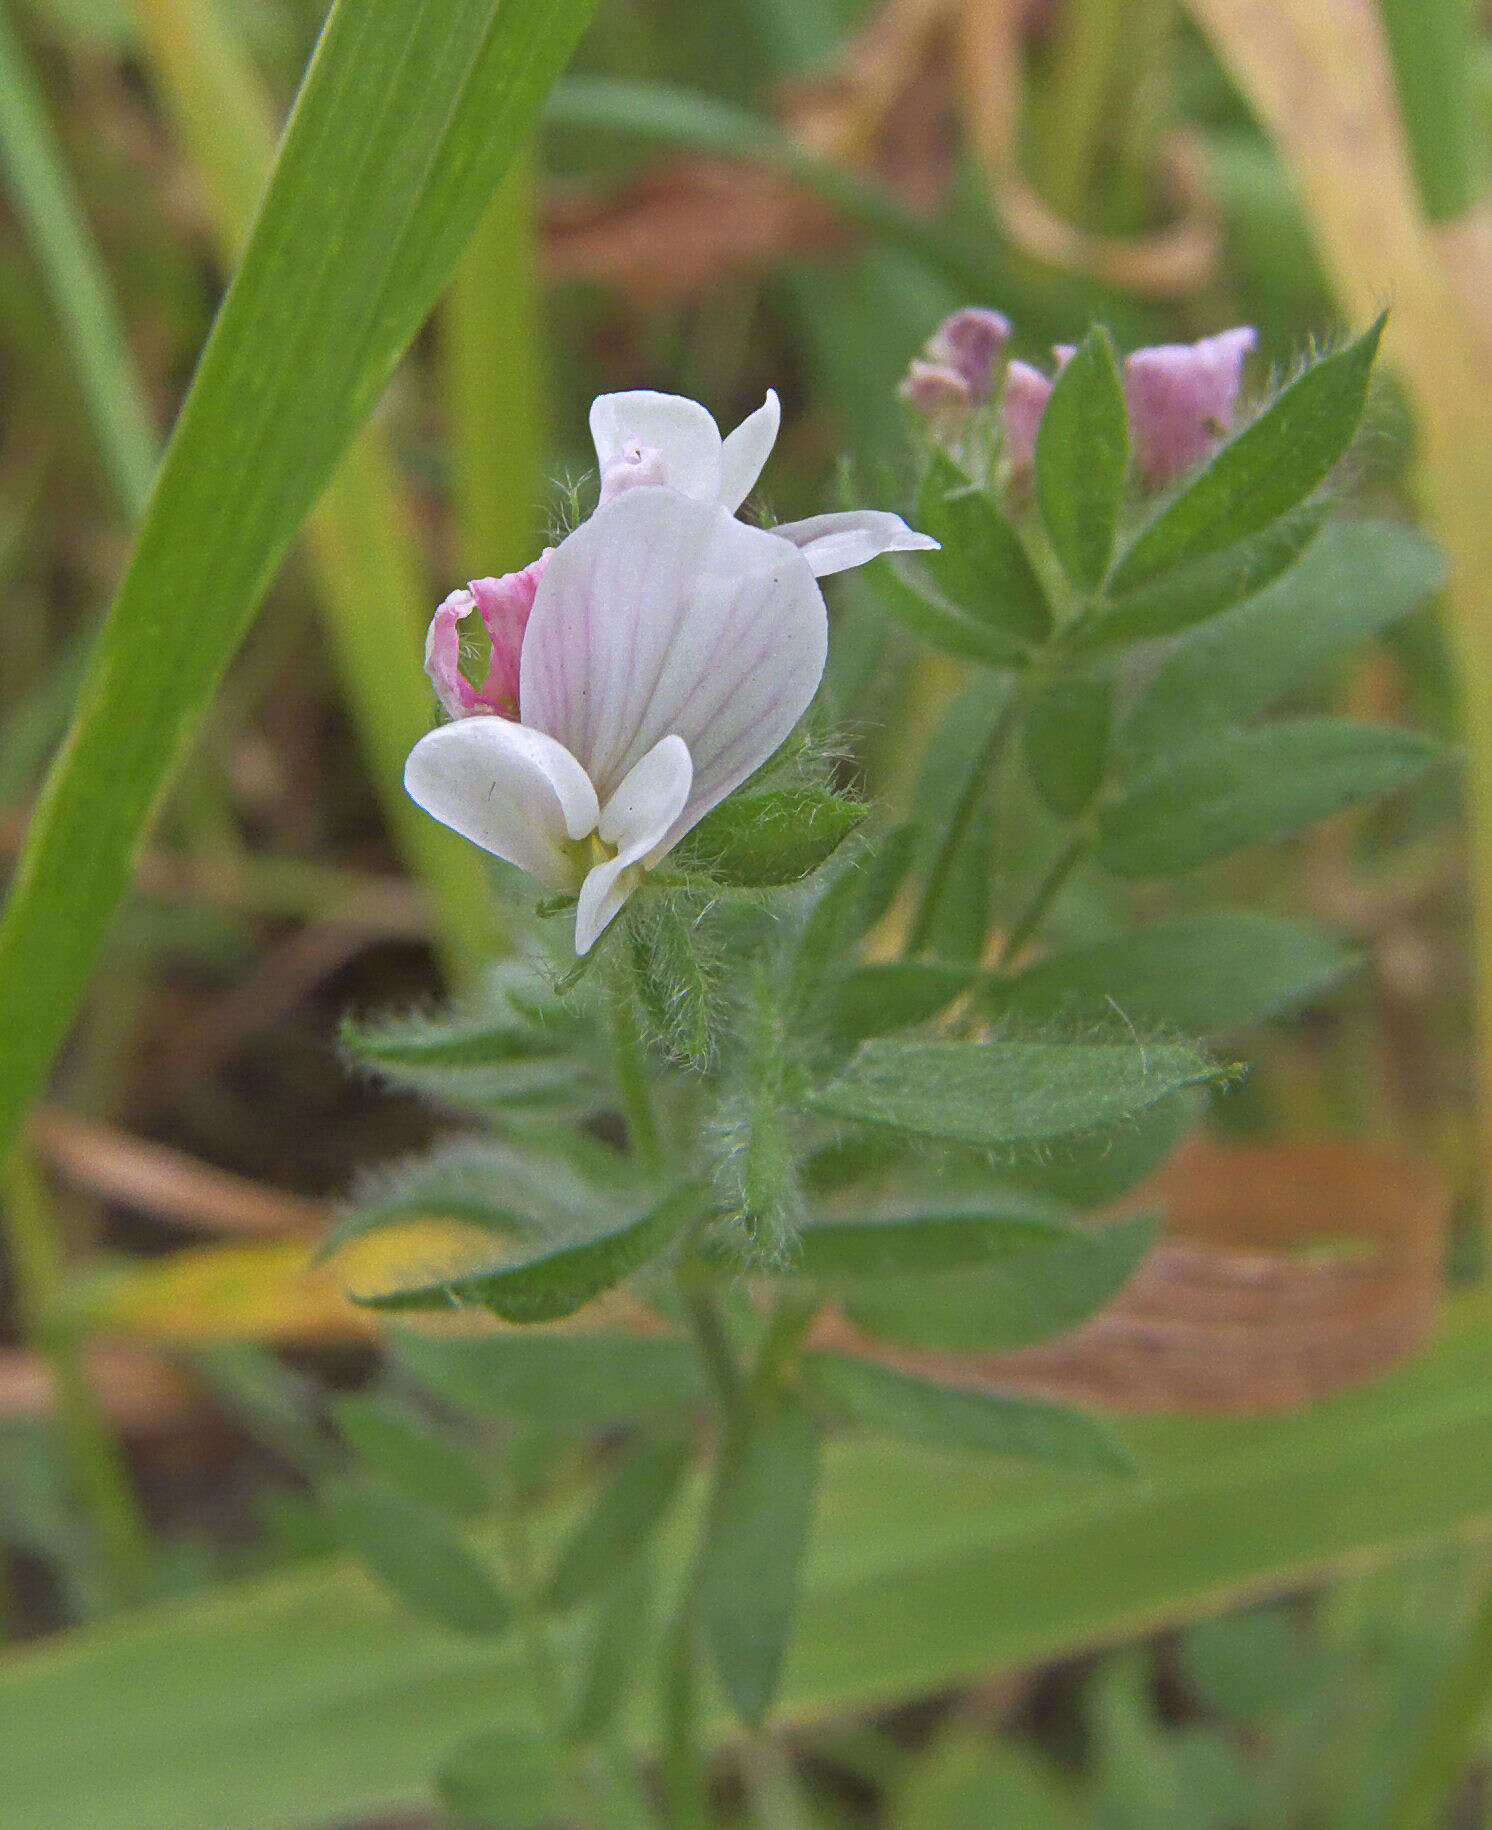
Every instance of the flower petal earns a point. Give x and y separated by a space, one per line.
443 657
1027 391
636 820
834 543
1181 398
746 450
660 615
680 431
513 791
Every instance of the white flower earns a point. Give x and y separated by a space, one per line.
669 651
644 438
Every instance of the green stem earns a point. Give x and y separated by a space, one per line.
632 1075
97 1462
1024 927
712 1343
957 832
1452 1738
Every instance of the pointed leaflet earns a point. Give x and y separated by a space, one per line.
995 1093
1357 578
1271 467
1082 447
419 1555
951 1417
754 1553
1067 740
408 117
983 565
620 1525
560 1381
409 1455
561 1280
1244 787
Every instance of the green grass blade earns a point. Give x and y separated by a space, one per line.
373 596
43 197
926 1571
409 114
496 386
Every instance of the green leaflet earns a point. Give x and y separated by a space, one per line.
1067 740
557 1281
1082 448
1269 469
755 841
1244 787
407 118
1200 974
419 1555
753 1556
983 566
504 1777
1025 1297
833 1251
567 1381
1005 1093
416 1461
621 1522
952 1417
1354 580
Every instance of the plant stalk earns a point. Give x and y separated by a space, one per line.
957 832
632 1075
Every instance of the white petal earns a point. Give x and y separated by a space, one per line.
636 820
834 543
681 430
660 615
513 791
746 450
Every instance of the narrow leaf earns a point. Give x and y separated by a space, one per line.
1093 1168
1270 468
621 1523
409 1455
1201 974
1356 579
567 1381
1244 787
561 1280
610 1660
1199 588
953 1417
841 1251
1067 740
983 566
419 1556
994 1093
755 841
753 1557
1082 447
408 116
907 590
1021 1298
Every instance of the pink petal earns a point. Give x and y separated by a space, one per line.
443 657
505 604
969 342
1027 391
1181 398
934 388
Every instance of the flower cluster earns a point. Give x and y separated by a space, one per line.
644 667
1180 396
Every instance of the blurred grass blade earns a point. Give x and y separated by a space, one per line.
1432 46
495 385
372 593
408 116
43 198
927 1571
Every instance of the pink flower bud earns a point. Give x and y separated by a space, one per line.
1027 391
639 466
934 389
1181 398
969 342
504 605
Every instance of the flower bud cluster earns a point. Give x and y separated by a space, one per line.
1181 396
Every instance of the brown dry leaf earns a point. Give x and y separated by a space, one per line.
1287 1272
